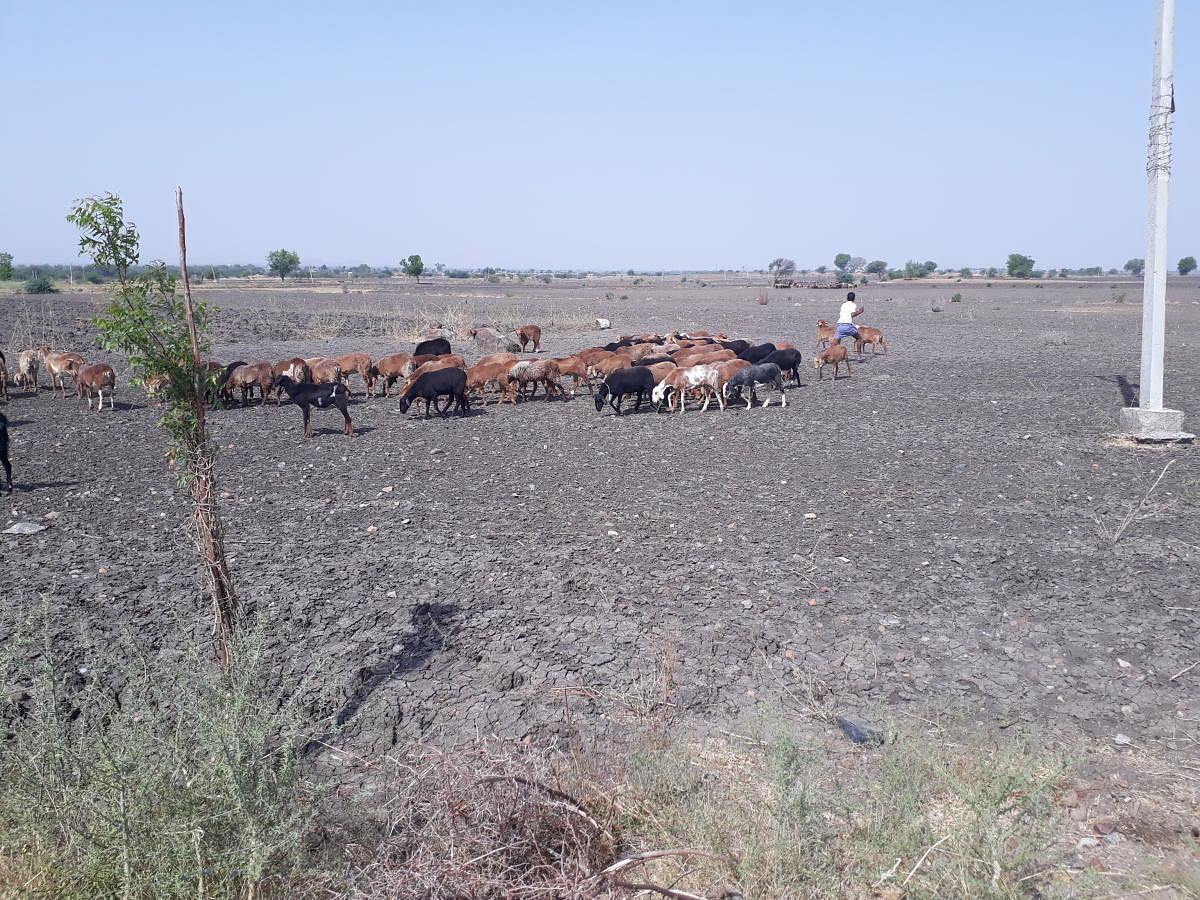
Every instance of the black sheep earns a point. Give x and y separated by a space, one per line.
4 451
636 380
751 377
308 395
652 360
433 347
735 346
757 353
788 360
429 387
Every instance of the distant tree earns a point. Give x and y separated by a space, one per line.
1019 265
1187 265
439 268
6 269
914 269
992 271
413 267
782 269
821 270
841 261
629 271
965 272
856 264
1135 267
282 263
877 267
930 267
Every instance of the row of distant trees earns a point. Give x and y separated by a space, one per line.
847 268
286 262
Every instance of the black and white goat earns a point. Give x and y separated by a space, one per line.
306 396
751 377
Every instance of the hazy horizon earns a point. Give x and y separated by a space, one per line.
628 136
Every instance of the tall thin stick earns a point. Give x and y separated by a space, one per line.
208 522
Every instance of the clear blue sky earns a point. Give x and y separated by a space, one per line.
599 135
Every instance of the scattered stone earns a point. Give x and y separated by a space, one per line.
936 309
24 528
810 515
436 451
612 533
602 324
1123 739
859 732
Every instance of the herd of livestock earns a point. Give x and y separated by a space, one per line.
667 370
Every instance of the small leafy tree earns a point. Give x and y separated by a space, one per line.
876 267
1019 265
162 333
965 272
413 266
782 269
841 261
6 268
914 269
1187 265
930 266
856 264
1135 267
282 263
39 284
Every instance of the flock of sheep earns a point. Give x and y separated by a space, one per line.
666 370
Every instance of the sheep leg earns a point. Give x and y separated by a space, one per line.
307 419
344 409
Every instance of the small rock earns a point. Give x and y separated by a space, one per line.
748 604
1113 837
612 533
1087 842
387 489
603 324
1123 663
936 309
24 528
810 515
371 529
436 451
1123 739
859 732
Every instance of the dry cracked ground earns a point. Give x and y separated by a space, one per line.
951 531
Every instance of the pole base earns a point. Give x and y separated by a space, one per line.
1154 426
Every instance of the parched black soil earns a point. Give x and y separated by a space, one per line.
931 534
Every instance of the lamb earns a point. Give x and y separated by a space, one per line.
753 376
95 377
788 360
835 354
59 366
872 336
757 353
359 364
4 461
432 347
530 334
826 334
449 382
306 396
28 363
623 382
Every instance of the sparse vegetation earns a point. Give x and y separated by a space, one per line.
956 298
39 284
6 266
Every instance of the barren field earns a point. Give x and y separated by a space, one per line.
951 531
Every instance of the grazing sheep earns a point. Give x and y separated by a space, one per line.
59 366
252 375
432 347
535 372
662 370
28 363
574 366
737 347
307 396
789 360
701 377
449 382
835 354
530 334
294 368
433 364
623 382
482 374
4 461
757 353
323 370
391 368
872 336
728 369
753 376
95 377
359 364
826 334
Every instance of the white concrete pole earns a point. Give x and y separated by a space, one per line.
1158 170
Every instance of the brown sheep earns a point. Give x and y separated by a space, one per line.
482 374
359 364
703 357
95 377
28 363
294 368
872 336
574 366
390 368
253 375
826 334
59 366
415 369
530 334
727 370
593 355
661 370
605 367
835 354
323 370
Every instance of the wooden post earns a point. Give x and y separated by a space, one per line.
209 534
